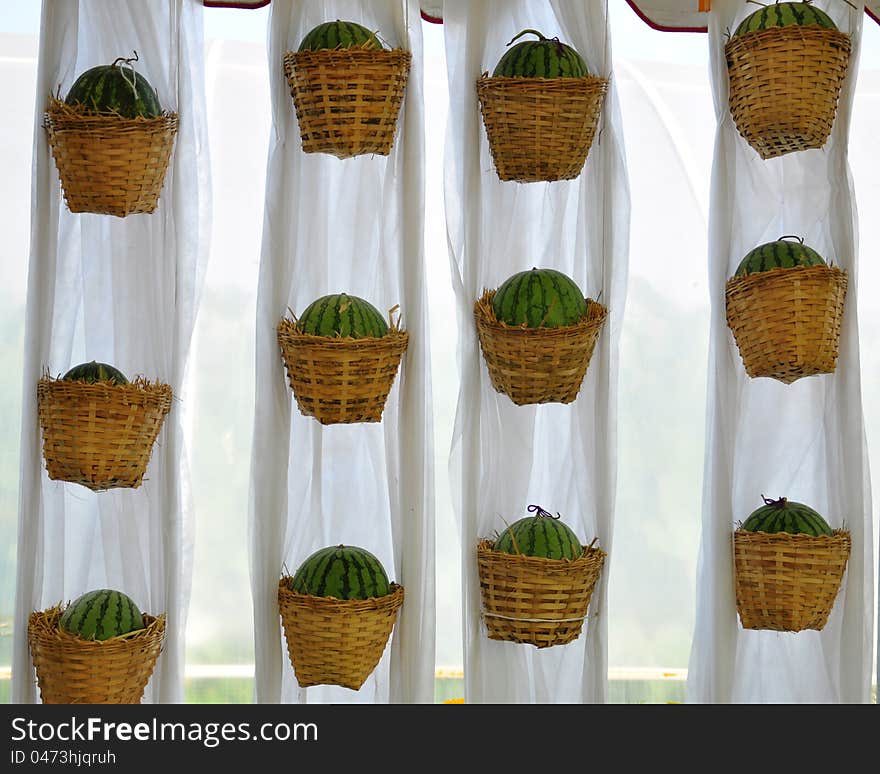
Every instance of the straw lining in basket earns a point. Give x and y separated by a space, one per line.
347 100
71 670
786 322
100 435
536 601
537 365
788 582
785 85
334 641
109 164
341 380
540 129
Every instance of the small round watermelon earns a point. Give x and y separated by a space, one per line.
781 254
344 316
343 572
785 14
101 614
340 34
95 372
542 535
785 515
541 58
539 298
115 89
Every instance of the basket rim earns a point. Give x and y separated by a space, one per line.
44 623
353 51
57 110
594 317
394 598
138 384
839 535
562 81
787 271
591 553
793 31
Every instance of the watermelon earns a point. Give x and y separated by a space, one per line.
101 614
785 15
541 58
344 316
785 515
539 298
95 372
343 572
340 34
115 89
779 255
541 535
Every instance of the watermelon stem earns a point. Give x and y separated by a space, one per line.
541 512
524 32
791 236
780 503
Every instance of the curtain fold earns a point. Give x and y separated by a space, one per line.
805 441
504 456
123 291
350 225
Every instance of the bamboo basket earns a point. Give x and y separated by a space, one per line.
787 582
347 100
786 322
540 129
72 670
100 435
537 365
785 85
341 380
536 601
334 641
108 164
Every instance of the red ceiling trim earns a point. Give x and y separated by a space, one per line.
871 14
432 19
661 27
243 6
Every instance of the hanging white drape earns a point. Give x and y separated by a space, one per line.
355 226
805 441
123 291
504 456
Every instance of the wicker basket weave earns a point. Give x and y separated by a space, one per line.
785 85
341 380
540 129
109 165
100 435
536 601
788 582
347 100
786 322
334 641
71 670
537 365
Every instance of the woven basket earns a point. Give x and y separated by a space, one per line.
71 670
341 380
100 435
537 365
536 601
347 100
784 86
109 165
785 582
335 641
540 129
786 322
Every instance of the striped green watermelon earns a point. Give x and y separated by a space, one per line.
541 535
344 316
784 515
101 614
784 15
95 372
115 88
343 572
539 298
780 254
541 58
340 34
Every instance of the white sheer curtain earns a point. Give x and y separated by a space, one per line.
504 456
124 291
353 225
806 440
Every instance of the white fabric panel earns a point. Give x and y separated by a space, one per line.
504 456
806 440
352 225
124 291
